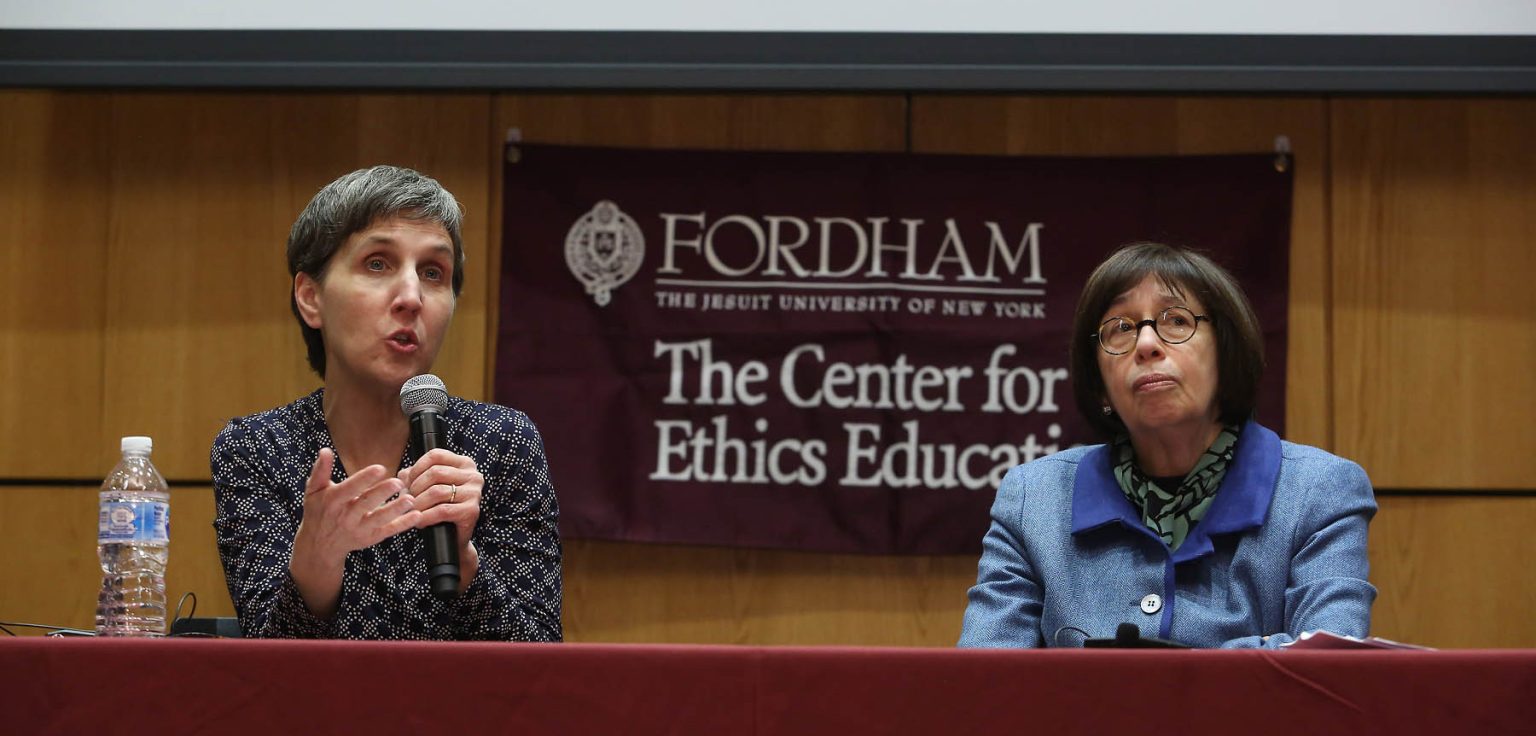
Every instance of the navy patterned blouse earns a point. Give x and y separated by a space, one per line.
260 465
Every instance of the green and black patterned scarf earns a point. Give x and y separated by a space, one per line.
1171 516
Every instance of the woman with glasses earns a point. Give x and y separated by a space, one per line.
1193 522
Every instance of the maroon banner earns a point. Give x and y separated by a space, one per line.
838 352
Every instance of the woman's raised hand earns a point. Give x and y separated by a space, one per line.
361 511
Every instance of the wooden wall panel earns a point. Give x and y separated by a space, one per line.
194 566
204 190
628 592
1447 569
53 200
1106 126
145 236
741 122
1434 216
1455 572
617 592
55 583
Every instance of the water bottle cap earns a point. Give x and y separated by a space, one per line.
138 444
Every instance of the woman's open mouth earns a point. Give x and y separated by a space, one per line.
403 341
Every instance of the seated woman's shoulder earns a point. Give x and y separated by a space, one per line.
1061 463
1312 464
486 420
278 423
482 411
1072 454
1313 456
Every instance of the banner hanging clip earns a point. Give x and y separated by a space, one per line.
514 136
1282 153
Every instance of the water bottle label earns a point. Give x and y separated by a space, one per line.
141 522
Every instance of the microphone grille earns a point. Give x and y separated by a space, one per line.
425 391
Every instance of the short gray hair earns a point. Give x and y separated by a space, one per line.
350 205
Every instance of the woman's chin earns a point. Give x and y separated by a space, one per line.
1164 420
390 376
405 366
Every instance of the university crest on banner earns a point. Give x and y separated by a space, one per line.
839 352
604 249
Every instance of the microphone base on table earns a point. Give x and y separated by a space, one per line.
1128 636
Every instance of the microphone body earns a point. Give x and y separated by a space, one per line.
424 404
1127 635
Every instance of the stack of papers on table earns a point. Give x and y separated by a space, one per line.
1329 640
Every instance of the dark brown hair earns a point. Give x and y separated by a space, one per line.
1239 342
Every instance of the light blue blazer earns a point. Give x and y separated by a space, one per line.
1280 550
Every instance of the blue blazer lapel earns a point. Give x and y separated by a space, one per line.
1242 501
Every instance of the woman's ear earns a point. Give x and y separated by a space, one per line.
306 293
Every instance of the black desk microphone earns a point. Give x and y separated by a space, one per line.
1128 636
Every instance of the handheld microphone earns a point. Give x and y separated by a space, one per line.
424 401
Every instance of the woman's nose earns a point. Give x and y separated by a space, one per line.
1148 343
408 292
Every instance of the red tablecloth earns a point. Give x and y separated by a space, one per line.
279 687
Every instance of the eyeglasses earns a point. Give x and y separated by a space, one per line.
1117 336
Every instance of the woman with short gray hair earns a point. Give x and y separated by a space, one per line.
321 508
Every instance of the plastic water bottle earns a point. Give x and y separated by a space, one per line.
133 539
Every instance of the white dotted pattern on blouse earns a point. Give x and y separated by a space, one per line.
260 464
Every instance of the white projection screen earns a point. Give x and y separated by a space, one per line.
1485 46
